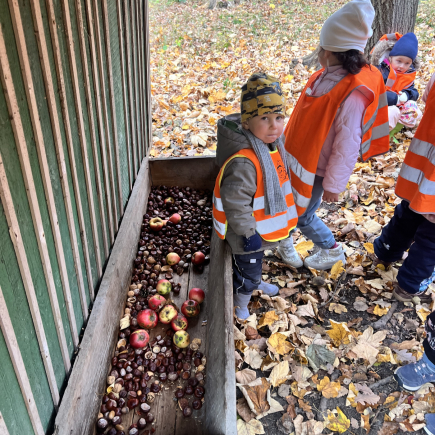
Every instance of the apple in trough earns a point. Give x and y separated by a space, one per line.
163 287
167 314
181 339
179 323
172 259
190 308
175 218
197 294
198 258
156 224
147 319
156 302
139 338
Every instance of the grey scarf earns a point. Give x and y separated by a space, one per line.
274 200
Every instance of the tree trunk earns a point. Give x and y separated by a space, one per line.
392 16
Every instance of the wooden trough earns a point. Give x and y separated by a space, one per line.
87 383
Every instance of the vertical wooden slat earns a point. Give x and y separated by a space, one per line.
31 99
103 133
148 77
136 90
112 103
124 91
89 106
105 114
48 81
127 21
20 252
20 370
142 71
14 113
139 77
79 113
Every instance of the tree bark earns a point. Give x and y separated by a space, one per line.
392 16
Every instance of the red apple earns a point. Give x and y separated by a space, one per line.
198 258
197 294
147 319
167 314
156 224
190 308
163 287
181 339
139 338
172 258
175 218
156 302
179 323
169 200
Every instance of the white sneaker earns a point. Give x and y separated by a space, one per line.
288 253
325 258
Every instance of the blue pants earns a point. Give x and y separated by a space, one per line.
247 272
311 226
429 341
406 227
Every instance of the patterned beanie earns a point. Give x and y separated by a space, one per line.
261 95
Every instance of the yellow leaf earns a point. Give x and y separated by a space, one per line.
422 312
299 393
369 248
268 318
339 333
337 270
185 127
379 311
337 308
153 153
304 247
337 422
272 6
329 389
279 343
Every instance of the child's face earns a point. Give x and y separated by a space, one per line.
400 64
267 128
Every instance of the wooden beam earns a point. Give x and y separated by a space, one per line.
81 401
26 169
55 123
148 77
45 170
89 105
20 252
139 73
20 370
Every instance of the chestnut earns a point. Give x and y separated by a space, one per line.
132 403
141 423
145 408
187 411
179 393
188 390
199 392
116 420
185 375
133 430
193 382
197 404
102 425
112 431
149 417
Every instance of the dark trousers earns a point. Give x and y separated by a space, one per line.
406 227
429 341
247 272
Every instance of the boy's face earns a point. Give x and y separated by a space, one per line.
400 64
267 128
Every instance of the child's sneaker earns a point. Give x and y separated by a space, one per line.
430 424
241 302
288 253
268 289
403 296
324 259
412 376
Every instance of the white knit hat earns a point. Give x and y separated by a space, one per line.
348 28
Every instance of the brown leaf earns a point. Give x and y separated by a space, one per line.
244 411
258 394
245 376
304 405
251 333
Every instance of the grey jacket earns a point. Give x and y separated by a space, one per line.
239 184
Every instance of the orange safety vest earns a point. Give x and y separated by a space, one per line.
416 182
270 228
397 82
313 117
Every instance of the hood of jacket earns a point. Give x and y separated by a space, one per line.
230 137
382 50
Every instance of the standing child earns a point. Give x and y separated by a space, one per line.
253 205
396 58
341 113
413 224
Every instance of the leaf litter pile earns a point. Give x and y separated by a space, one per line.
319 357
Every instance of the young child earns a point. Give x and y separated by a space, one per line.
253 204
341 113
396 58
414 217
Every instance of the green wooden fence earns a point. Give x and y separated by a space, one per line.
74 128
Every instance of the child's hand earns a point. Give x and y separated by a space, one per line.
330 197
252 243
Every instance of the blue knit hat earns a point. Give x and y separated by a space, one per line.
407 45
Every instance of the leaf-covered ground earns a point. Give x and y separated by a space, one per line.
311 360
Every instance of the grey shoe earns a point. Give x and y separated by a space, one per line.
412 376
288 253
241 302
268 289
324 259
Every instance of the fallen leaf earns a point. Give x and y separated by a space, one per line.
279 373
268 318
243 410
253 358
279 344
305 310
337 308
369 248
354 423
380 311
368 344
245 376
360 306
337 422
257 396
329 389
303 247
339 333
319 355
336 270
253 427
389 428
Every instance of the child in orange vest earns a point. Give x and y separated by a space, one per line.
396 58
253 204
342 113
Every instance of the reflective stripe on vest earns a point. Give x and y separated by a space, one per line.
416 182
313 117
270 228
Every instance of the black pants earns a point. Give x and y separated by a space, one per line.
429 341
247 272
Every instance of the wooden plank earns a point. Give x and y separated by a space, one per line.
82 397
82 135
89 105
101 129
14 113
195 172
112 104
221 377
140 81
20 370
36 123
70 144
48 80
147 89
100 50
124 91
15 234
